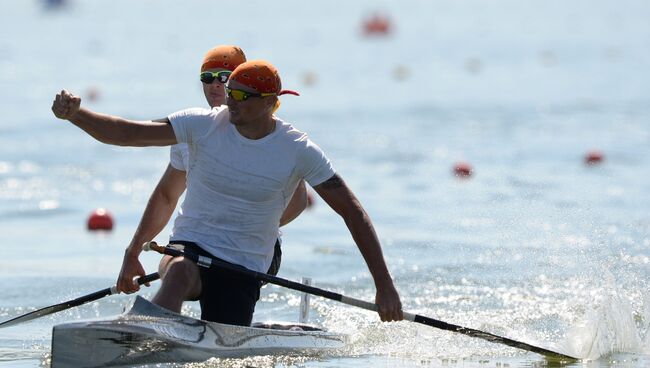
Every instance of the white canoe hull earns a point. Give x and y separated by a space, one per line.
150 334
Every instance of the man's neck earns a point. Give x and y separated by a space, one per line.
257 130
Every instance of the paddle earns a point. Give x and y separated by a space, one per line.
208 262
74 303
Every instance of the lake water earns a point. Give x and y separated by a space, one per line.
535 245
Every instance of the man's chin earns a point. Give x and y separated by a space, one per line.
214 102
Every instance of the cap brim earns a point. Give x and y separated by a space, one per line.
288 92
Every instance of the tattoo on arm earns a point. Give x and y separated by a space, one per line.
332 183
162 120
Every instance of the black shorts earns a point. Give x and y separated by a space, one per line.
275 263
227 296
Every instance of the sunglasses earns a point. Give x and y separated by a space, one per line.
209 77
239 95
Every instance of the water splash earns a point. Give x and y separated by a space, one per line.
645 318
607 327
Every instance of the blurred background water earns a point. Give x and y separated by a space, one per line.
534 245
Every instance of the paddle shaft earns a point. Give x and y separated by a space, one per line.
75 302
209 262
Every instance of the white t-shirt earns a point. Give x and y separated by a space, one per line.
179 156
237 188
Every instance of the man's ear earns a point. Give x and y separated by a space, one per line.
271 102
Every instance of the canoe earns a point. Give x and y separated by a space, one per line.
149 334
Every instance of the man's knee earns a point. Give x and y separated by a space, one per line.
180 268
183 274
164 263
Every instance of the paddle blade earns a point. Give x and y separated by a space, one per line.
73 303
57 307
35 314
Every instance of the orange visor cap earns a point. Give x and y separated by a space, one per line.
261 76
223 57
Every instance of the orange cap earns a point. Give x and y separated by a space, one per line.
223 57
261 76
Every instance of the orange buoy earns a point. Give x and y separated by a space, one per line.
100 219
377 25
463 170
594 157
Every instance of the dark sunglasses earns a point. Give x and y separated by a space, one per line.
239 95
209 77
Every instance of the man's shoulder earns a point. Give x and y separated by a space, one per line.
291 133
199 113
191 125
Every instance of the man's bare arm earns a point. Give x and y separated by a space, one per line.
156 215
297 204
340 198
112 129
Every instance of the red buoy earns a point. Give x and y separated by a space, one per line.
377 25
100 219
594 157
463 170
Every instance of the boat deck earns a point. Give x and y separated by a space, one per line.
148 333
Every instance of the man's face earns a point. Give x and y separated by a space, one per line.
215 93
251 109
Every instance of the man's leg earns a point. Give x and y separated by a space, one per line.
181 281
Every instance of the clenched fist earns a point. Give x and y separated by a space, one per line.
66 105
